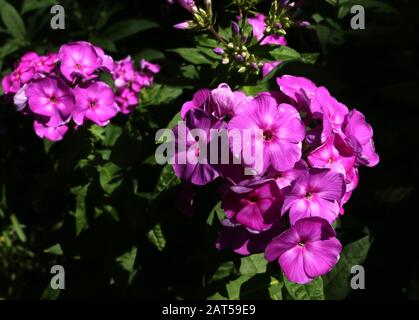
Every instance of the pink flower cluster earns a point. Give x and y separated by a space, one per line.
312 147
64 86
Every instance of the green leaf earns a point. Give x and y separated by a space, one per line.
30 5
233 287
216 213
157 238
150 55
110 177
18 228
159 94
192 55
309 291
285 54
253 90
126 28
105 43
253 264
225 270
337 281
80 213
55 249
217 296
275 289
127 262
50 293
309 58
8 48
12 20
167 180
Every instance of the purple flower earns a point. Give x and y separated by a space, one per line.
199 100
96 102
333 154
190 162
51 133
256 209
219 51
239 239
307 250
78 59
182 25
359 135
127 100
316 193
299 89
188 4
277 131
51 97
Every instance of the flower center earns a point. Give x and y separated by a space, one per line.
78 66
309 195
53 99
267 135
301 243
92 103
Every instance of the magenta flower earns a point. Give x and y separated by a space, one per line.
333 154
324 106
359 135
124 72
190 162
239 239
307 250
78 59
45 64
299 89
278 132
96 102
188 4
256 209
51 97
199 100
258 23
316 193
50 133
127 100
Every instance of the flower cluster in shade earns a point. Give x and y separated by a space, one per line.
312 147
65 89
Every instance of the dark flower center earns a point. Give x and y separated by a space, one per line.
78 66
301 243
53 99
309 195
92 103
267 135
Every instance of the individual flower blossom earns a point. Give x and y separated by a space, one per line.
223 102
45 64
188 4
96 102
185 25
52 98
316 193
124 72
277 131
78 59
257 208
299 89
333 154
145 77
127 100
239 239
359 134
307 250
51 133
199 101
190 162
